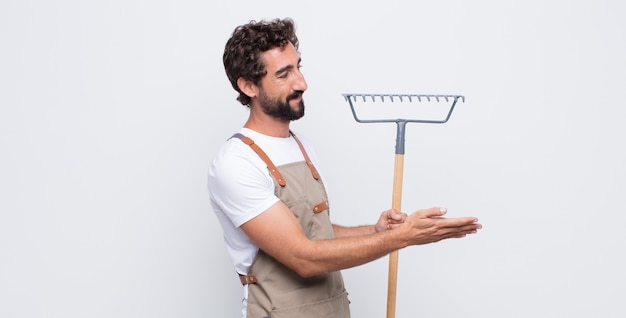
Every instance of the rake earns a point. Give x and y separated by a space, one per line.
359 101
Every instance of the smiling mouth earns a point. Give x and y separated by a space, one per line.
295 95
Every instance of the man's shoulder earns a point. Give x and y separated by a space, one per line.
233 154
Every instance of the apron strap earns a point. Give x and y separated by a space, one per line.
314 172
270 165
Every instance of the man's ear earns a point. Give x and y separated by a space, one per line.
247 87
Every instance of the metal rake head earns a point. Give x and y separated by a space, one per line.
450 100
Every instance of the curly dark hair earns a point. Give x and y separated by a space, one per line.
242 54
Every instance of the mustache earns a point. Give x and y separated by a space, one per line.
295 94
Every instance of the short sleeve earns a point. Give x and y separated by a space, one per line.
239 183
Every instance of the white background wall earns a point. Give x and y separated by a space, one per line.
111 110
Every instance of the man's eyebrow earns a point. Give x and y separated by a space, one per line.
286 68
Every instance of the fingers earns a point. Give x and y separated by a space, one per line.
438 212
457 228
392 219
433 212
388 220
395 216
460 233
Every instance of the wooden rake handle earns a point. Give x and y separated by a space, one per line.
393 256
396 204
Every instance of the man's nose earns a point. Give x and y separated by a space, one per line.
300 83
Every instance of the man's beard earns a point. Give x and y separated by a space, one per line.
279 109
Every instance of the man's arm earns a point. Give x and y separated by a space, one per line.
277 232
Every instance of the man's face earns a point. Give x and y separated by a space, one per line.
280 91
282 109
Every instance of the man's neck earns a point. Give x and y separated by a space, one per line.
269 126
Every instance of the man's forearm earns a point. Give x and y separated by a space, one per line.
323 256
343 231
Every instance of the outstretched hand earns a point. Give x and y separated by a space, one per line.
429 225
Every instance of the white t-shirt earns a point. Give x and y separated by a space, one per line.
241 188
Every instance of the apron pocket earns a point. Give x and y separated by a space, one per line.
334 307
